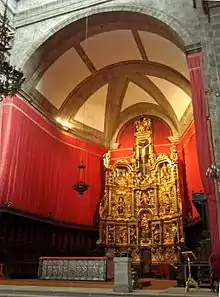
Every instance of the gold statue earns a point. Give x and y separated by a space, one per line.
152 161
123 236
121 206
143 126
106 159
168 236
164 172
156 233
139 126
133 160
174 232
133 235
173 154
145 229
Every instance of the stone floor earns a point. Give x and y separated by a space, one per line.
147 283
40 291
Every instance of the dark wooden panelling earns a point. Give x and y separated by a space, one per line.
23 240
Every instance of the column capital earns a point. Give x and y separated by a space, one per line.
114 145
193 48
173 139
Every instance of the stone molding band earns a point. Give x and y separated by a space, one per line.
193 48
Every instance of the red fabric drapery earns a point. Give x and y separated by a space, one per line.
39 166
193 177
126 136
203 141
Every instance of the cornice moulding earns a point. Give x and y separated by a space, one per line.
40 13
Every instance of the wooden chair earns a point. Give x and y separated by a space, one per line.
214 261
157 272
1 271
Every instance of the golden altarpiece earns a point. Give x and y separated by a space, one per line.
141 207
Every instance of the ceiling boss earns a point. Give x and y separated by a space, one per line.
141 208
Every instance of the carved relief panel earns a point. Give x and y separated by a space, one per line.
120 204
145 236
156 233
133 235
145 199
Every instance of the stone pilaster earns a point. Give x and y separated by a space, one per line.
210 33
122 280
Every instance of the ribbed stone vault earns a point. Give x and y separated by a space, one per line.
101 71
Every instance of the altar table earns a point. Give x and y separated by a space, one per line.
73 268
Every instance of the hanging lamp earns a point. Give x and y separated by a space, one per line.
81 186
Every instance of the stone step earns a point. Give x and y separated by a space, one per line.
143 293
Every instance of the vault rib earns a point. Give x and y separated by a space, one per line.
85 58
149 87
139 45
129 68
116 91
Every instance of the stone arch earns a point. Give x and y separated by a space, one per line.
140 112
186 37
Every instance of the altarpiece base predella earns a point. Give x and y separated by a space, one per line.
141 207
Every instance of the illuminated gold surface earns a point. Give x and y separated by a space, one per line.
141 207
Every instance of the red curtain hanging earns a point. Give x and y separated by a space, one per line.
39 166
203 141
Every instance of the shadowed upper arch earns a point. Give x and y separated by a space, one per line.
172 24
71 32
140 109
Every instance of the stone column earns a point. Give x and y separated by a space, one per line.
122 279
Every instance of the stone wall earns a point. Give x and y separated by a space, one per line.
24 5
210 41
41 22
11 9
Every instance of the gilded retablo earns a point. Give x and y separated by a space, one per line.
141 207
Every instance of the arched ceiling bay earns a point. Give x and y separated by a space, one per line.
95 72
